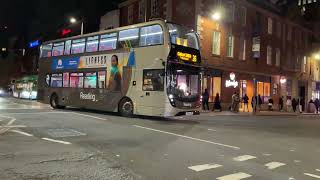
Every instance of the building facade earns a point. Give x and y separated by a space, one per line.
252 49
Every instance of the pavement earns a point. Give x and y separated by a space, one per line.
37 142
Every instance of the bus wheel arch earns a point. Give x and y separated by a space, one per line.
126 107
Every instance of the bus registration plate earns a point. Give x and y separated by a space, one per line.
189 113
187 104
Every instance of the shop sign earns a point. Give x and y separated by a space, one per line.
232 81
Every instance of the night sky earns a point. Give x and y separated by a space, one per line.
31 19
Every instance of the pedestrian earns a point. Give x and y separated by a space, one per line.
245 102
254 103
259 102
237 101
270 104
281 103
233 99
289 103
205 100
217 104
317 104
311 107
303 104
294 104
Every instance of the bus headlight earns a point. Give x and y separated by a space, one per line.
170 96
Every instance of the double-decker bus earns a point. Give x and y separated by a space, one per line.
151 69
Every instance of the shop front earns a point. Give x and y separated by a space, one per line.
226 83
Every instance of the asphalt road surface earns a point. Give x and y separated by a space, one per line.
37 142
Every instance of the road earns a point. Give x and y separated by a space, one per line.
37 142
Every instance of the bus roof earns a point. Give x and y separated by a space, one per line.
162 22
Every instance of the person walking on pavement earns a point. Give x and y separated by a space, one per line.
245 102
254 103
259 102
294 104
217 104
281 103
270 104
317 104
205 100
289 104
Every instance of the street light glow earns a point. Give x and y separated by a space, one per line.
317 56
216 16
73 20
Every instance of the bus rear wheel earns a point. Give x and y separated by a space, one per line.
126 107
54 102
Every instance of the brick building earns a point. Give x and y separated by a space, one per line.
253 44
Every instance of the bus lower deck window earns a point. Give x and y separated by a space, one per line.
56 80
90 80
102 79
76 80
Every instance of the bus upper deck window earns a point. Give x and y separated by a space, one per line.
151 35
67 47
92 44
46 50
78 46
108 42
58 49
129 38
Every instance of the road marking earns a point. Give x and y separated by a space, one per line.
244 158
266 154
20 132
48 112
312 175
188 137
274 165
203 167
95 117
236 176
57 141
212 130
318 170
17 126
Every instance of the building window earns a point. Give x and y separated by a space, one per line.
230 8
56 80
269 55
76 80
279 30
243 16
242 47
216 42
270 23
78 46
278 56
151 35
108 42
66 79
154 8
130 14
90 80
153 80
142 11
92 44
304 64
58 49
230 45
289 37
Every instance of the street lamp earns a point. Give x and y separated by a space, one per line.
317 56
216 16
74 21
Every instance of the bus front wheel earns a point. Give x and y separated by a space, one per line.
126 107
